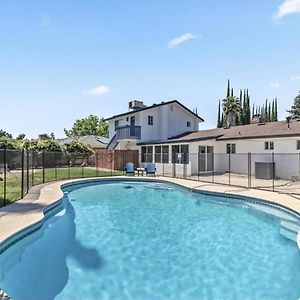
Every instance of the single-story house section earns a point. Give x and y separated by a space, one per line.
210 150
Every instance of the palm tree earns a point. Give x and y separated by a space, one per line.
231 108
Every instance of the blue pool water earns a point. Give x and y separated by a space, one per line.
144 240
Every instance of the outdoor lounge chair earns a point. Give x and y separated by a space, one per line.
129 169
150 169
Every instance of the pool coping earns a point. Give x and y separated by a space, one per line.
25 216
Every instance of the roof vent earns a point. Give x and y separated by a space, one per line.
136 104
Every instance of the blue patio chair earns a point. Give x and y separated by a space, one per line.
129 169
150 169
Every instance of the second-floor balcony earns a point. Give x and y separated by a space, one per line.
128 132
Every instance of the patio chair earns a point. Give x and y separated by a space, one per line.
150 169
129 169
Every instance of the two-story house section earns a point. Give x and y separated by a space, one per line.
157 122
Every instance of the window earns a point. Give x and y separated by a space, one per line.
184 154
180 154
269 145
298 145
157 157
147 154
165 154
230 148
161 154
117 124
150 120
188 124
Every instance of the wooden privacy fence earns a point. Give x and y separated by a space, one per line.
115 159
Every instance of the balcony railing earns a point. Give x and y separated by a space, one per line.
128 132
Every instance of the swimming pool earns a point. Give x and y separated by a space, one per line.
152 240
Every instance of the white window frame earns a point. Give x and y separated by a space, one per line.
269 145
148 154
150 120
178 157
231 148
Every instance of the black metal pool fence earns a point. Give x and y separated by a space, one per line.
21 169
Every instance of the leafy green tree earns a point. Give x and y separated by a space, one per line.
5 134
20 137
49 146
8 143
41 145
44 136
231 108
91 125
30 145
294 112
78 148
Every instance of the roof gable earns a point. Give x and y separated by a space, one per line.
155 106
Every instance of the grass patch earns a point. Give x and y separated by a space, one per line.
14 180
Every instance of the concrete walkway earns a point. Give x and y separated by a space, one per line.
30 210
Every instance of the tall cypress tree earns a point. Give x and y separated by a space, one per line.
273 111
262 113
269 113
219 116
231 92
244 110
248 112
222 119
228 89
276 113
241 107
266 111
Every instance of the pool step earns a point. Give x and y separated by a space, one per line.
289 230
272 211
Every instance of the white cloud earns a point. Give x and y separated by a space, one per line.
275 85
98 91
181 39
294 78
287 7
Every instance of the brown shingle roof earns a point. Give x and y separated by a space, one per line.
262 130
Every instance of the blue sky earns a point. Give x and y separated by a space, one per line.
63 60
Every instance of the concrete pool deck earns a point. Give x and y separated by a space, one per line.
30 210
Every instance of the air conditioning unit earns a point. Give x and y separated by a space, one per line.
136 104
